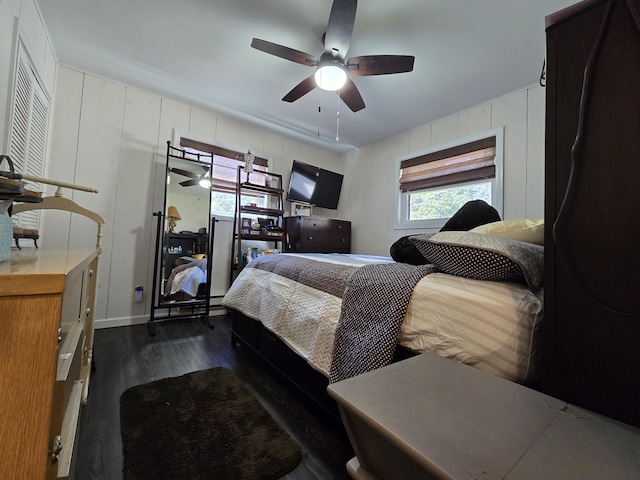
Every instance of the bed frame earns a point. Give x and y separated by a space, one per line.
288 365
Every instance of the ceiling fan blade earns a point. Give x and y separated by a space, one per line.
189 183
380 65
340 27
301 89
185 173
351 96
284 52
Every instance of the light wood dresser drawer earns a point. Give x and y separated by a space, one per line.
46 316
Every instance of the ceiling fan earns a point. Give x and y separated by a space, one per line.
332 70
195 178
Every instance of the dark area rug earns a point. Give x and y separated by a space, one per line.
202 425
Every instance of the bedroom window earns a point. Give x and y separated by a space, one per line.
224 176
435 183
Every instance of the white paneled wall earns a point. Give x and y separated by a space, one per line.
534 200
20 20
9 10
113 137
371 179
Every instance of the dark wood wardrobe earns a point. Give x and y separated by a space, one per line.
592 208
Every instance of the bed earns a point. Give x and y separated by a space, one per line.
186 278
321 318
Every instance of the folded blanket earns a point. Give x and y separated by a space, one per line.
373 308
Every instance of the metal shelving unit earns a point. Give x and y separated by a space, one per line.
270 214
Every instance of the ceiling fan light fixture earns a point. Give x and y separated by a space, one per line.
205 183
331 76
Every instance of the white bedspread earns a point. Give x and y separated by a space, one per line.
188 281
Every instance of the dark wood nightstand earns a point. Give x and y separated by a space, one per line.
317 235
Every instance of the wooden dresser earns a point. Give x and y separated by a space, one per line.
317 235
46 320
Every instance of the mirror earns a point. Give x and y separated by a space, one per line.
182 275
186 224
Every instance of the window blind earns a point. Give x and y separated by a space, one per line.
225 163
460 164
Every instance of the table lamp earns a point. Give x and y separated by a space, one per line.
172 216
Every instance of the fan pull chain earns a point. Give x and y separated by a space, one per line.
319 112
338 120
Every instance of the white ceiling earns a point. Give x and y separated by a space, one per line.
198 51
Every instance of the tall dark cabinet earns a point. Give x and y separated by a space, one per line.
592 208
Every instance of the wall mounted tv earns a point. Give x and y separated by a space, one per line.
314 185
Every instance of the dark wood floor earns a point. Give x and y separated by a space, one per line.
128 356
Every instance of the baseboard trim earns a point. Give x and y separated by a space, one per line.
120 322
139 320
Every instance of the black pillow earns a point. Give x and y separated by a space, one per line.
471 215
405 251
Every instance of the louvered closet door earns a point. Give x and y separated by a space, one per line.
29 126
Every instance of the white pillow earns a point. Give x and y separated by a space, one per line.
523 229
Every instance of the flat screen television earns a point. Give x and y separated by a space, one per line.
314 185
